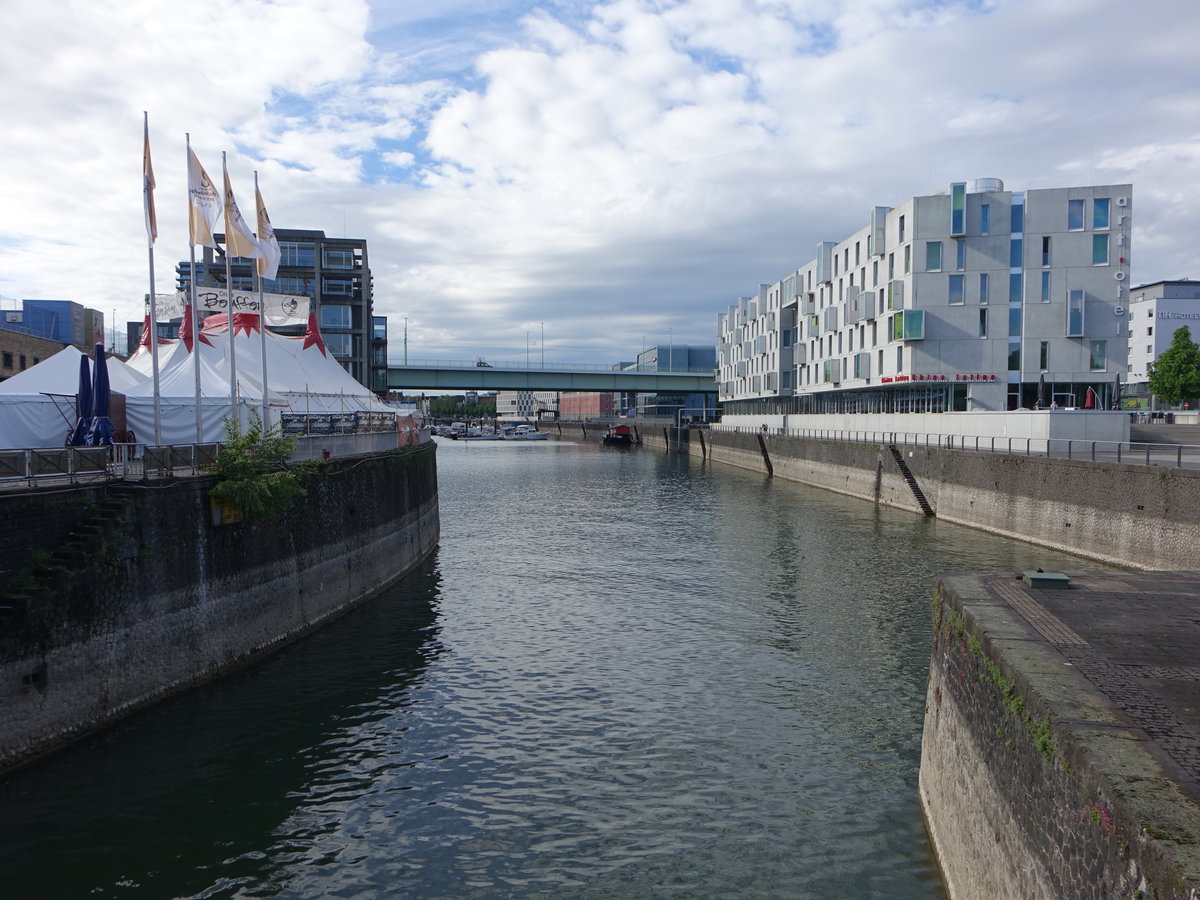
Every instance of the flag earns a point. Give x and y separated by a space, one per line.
268 263
239 239
148 187
204 203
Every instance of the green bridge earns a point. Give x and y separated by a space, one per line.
457 375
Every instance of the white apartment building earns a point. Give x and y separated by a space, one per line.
525 406
965 299
1156 312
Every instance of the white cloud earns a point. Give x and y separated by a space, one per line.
609 170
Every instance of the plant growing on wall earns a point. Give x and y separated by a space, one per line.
1175 376
252 470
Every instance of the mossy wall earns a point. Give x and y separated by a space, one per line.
150 596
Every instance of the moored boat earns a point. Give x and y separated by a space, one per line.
619 436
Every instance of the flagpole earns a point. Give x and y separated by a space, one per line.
234 413
193 314
262 313
151 234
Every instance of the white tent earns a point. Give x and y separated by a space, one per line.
301 378
37 406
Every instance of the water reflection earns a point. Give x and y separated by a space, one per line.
624 675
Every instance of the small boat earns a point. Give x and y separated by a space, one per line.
619 436
526 433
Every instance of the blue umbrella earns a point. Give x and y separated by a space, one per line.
83 403
101 434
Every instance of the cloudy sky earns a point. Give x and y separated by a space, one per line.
612 173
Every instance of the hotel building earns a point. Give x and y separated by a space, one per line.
1156 312
963 300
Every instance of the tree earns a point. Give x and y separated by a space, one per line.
1175 376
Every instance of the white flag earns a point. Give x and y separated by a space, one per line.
148 187
204 203
239 239
268 263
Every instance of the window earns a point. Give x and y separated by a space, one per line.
1018 218
1099 249
983 288
956 289
875 272
891 265
907 258
958 208
984 218
1014 355
1016 285
1075 310
983 323
857 256
901 230
8 360
1100 213
1044 356
1098 349
21 357
933 256
339 286
333 316
1046 287
338 259
1045 251
960 255
1074 215
1150 331
1015 248
909 325
296 254
1014 321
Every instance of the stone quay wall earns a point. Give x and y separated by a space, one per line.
1132 515
1031 786
121 595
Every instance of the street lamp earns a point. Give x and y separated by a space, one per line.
543 324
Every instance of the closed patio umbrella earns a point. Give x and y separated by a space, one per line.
101 434
83 404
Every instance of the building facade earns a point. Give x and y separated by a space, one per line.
1156 312
62 321
971 298
335 273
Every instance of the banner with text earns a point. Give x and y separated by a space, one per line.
282 309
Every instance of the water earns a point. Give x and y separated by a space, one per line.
623 675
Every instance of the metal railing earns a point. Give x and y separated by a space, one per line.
83 465
537 366
1129 452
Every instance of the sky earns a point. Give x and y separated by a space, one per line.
572 180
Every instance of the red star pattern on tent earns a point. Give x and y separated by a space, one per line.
312 337
185 330
144 340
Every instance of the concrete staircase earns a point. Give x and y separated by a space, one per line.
922 502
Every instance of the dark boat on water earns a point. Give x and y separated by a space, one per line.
619 436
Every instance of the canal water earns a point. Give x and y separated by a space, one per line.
623 675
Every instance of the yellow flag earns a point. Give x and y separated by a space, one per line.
239 239
204 203
148 188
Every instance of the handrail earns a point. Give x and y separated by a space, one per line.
1128 452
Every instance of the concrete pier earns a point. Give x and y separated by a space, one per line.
1061 749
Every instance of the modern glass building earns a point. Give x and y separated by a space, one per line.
335 273
972 298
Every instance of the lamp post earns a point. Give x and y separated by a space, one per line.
406 340
543 324
527 349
